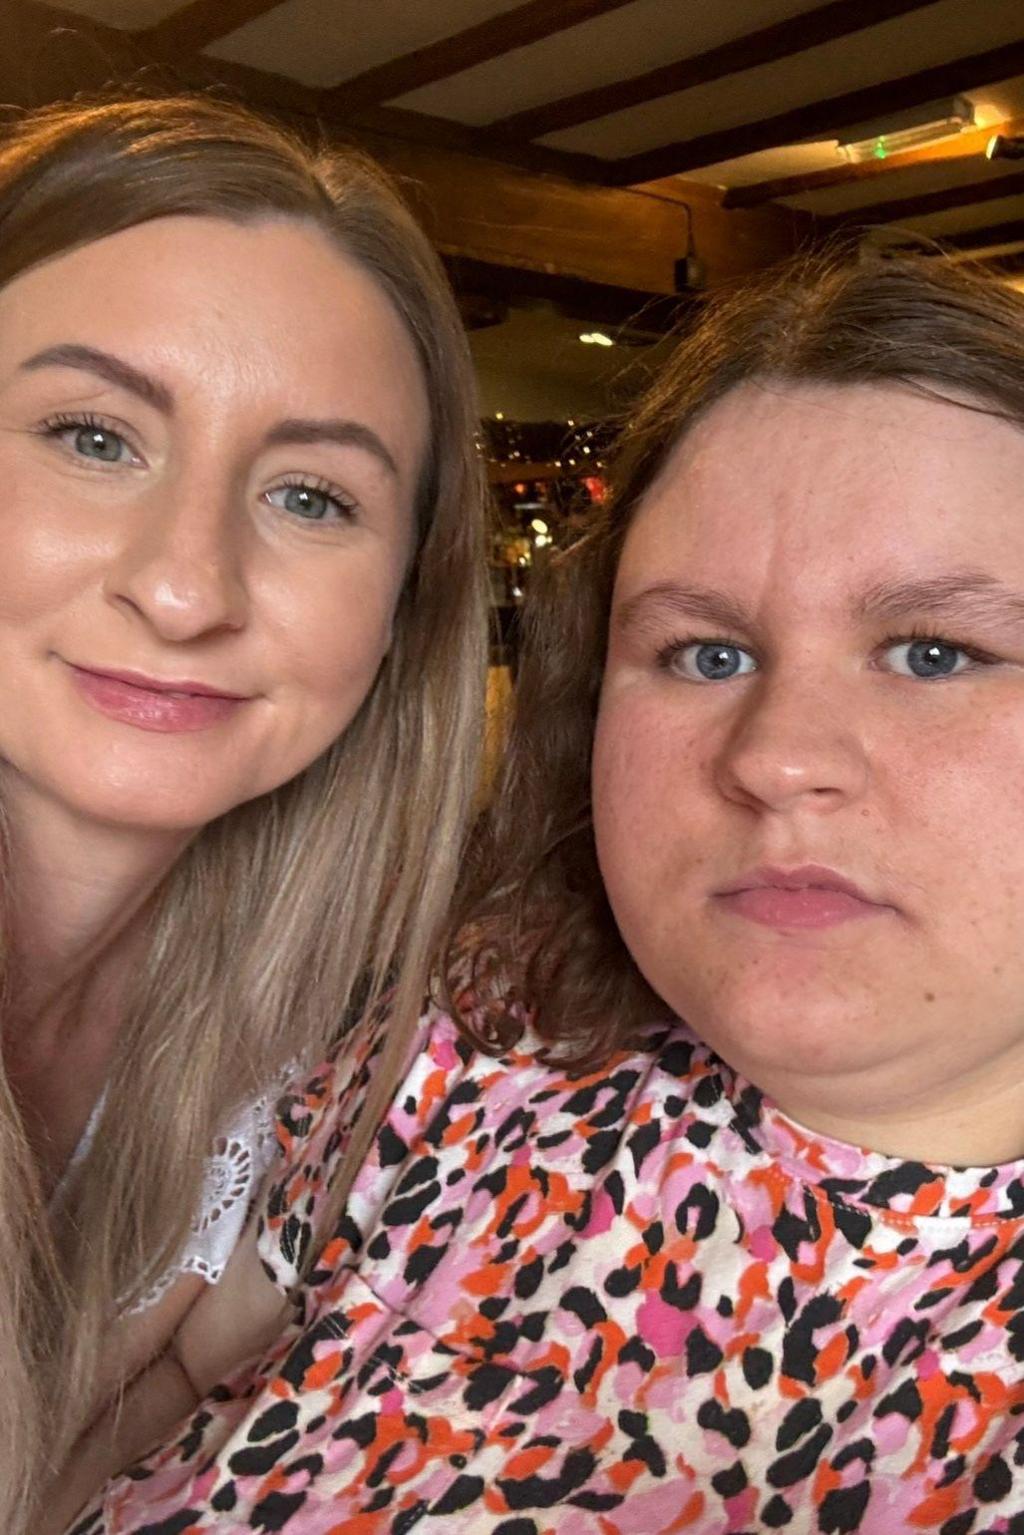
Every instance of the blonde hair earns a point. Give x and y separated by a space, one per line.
532 922
289 912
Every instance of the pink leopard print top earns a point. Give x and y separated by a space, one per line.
634 1302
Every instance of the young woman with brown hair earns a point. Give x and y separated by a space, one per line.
608 1270
241 658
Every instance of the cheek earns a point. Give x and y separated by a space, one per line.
648 772
326 636
47 558
962 797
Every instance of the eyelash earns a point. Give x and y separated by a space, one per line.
53 426
347 508
667 653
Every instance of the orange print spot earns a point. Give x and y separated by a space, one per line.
623 1475
691 1513
486 1281
528 1462
831 1358
936 1508
322 1371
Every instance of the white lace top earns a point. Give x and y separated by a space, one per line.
234 1172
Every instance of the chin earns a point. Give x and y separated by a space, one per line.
764 1024
145 806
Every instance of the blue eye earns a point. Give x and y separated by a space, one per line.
708 662
313 503
97 442
927 659
87 437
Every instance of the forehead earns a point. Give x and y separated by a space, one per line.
815 486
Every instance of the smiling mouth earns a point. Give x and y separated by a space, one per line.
157 685
150 704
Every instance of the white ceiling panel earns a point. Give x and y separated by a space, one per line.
321 42
627 42
947 30
126 15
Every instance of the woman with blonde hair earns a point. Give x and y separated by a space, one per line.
702 1209
241 660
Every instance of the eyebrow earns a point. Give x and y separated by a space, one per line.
89 359
965 596
669 599
295 432
343 433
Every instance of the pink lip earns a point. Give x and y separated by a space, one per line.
152 703
805 898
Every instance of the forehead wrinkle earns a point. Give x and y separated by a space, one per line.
964 594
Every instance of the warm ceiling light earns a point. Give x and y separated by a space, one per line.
595 338
912 130
1005 146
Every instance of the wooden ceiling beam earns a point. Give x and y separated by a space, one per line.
516 28
1007 232
444 133
202 22
474 209
822 118
902 209
768 45
1007 265
594 303
964 146
61 53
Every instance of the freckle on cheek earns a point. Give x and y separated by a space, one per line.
929 996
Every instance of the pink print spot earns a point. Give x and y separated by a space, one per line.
664 1327
928 1364
443 1053
740 1509
762 1244
602 1213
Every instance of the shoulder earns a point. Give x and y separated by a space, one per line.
461 1116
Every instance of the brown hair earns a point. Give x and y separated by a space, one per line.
532 916
288 911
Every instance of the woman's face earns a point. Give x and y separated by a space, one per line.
809 764
210 440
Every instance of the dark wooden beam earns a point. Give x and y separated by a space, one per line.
1008 265
823 118
515 28
506 217
632 309
768 45
444 133
902 209
202 22
965 146
1008 232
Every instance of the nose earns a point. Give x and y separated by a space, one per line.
794 746
181 568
